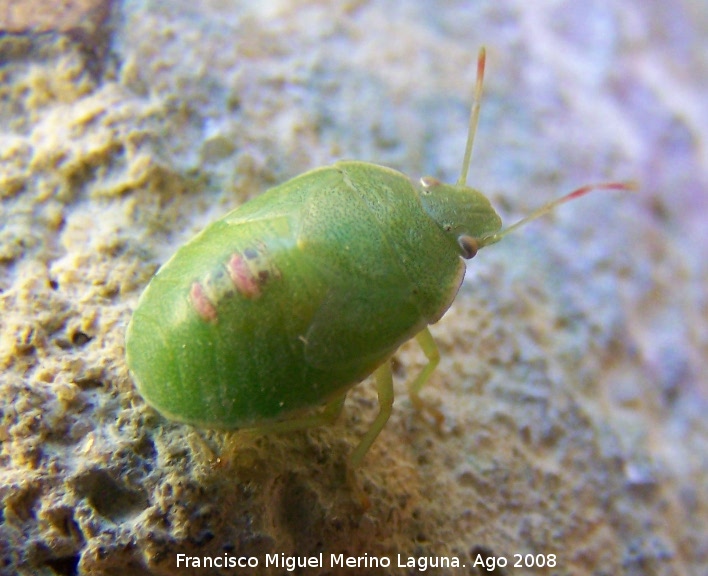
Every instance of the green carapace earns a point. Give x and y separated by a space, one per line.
272 313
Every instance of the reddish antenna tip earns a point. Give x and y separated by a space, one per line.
629 186
481 60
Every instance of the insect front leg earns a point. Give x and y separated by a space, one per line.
430 349
384 388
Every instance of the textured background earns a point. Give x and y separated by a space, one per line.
572 381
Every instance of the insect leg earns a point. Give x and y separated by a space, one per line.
384 387
328 415
430 349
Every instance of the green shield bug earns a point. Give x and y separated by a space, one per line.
272 313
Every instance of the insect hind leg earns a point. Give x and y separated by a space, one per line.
327 415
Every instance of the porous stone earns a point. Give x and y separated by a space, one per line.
571 376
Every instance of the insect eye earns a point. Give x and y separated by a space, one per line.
428 182
469 246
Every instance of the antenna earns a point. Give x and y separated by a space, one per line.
546 208
474 117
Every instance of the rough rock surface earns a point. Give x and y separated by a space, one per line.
573 374
57 16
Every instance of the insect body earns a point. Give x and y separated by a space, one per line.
285 303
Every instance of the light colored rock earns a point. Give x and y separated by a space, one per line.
53 15
571 378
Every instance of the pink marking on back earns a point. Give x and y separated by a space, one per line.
242 277
202 304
